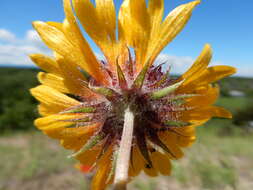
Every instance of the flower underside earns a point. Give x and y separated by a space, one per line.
83 99
150 96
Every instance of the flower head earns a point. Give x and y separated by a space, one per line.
83 99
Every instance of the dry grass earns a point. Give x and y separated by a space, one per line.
33 161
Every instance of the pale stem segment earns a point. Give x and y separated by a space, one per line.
122 164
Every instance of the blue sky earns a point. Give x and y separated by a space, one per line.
226 24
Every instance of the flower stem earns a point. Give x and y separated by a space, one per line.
122 164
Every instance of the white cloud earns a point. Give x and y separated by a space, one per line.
6 36
15 51
178 64
33 38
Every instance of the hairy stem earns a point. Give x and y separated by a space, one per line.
122 164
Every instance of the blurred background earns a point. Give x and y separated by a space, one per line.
221 158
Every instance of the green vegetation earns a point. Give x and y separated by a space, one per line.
17 106
28 160
214 176
233 104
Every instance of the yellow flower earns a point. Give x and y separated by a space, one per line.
83 99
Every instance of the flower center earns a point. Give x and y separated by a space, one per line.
149 97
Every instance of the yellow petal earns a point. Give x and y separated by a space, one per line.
210 75
171 142
74 34
53 122
75 143
71 133
185 131
221 112
186 141
207 97
46 110
66 76
172 145
100 23
131 171
46 63
137 161
52 97
89 18
171 26
134 13
156 10
106 13
89 157
99 181
204 114
73 78
199 65
57 25
150 172
55 39
183 137
194 116
161 163
215 73
53 81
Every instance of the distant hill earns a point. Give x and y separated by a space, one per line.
240 84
